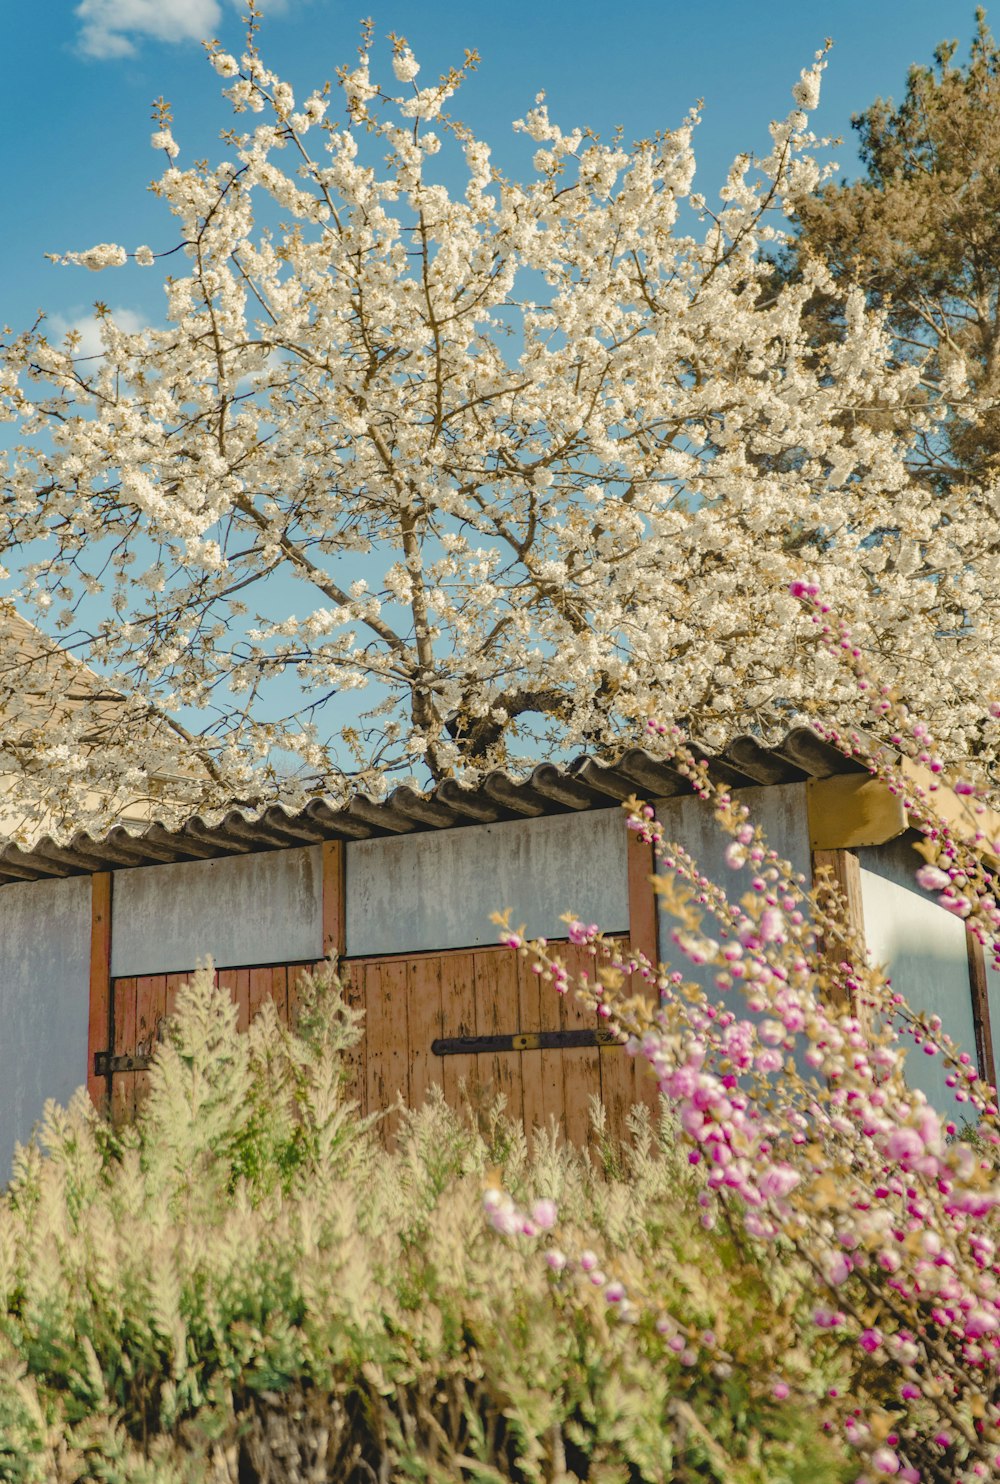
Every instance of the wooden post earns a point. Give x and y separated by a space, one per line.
981 1009
845 869
623 1082
334 898
642 907
99 1021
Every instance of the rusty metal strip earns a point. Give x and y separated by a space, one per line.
105 1065
522 1041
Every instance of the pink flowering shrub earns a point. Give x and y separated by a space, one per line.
786 1080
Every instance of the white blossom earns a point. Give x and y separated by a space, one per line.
410 474
163 139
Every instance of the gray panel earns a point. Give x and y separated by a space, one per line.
688 821
44 1002
923 947
265 908
437 891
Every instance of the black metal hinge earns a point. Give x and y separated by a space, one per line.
522 1041
105 1065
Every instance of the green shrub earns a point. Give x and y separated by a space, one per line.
243 1286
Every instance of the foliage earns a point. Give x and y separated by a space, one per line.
919 231
527 459
243 1285
779 1046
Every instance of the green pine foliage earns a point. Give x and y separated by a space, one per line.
244 1286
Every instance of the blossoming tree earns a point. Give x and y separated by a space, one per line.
528 460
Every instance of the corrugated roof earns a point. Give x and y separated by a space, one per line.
551 788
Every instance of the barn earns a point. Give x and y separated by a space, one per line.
97 935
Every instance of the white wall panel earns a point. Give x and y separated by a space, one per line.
437 891
923 947
265 908
44 1001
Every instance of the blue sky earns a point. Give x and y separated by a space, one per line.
81 74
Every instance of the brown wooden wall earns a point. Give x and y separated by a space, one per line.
408 1003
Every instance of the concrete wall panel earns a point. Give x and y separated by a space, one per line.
436 891
780 811
44 1001
923 947
243 909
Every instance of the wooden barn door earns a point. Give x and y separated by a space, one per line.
137 1008
479 1022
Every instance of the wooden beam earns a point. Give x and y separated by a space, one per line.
334 898
99 1019
981 1009
966 815
852 809
845 870
643 915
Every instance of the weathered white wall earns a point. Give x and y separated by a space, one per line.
242 909
779 810
427 891
44 1001
923 947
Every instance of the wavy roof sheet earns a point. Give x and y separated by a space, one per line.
551 788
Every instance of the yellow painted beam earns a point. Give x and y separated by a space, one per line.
965 815
852 809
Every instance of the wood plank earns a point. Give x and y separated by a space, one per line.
226 980
394 1044
295 972
279 990
458 1018
334 898
376 1015
530 1010
174 982
123 1020
621 1079
497 1013
241 994
150 1007
581 1068
355 1056
99 1014
385 995
643 915
425 1023
549 1063
981 1009
846 875
258 990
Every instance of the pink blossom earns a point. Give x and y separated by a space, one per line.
981 1322
904 1144
544 1215
772 926
885 1461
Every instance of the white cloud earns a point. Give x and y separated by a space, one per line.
110 28
87 326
